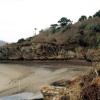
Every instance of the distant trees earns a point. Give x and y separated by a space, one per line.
21 40
64 21
82 18
53 27
95 27
97 14
90 17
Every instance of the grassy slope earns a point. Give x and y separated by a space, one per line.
82 33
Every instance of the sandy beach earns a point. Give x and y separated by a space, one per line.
31 76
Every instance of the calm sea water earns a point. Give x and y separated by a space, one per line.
22 96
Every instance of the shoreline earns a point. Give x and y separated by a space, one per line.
33 75
30 62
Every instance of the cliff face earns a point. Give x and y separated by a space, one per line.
46 51
36 51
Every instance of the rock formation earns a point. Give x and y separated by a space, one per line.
46 51
85 87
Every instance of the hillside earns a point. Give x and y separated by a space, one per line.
85 33
64 41
80 40
2 43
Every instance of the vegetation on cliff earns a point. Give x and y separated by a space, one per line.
63 40
85 32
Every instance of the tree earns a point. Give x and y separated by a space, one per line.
35 30
97 14
82 18
54 25
90 17
20 40
64 21
95 27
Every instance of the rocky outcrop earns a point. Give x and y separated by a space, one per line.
39 51
85 87
53 93
30 51
93 55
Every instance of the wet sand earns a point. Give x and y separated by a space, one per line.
31 76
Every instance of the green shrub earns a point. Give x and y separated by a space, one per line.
84 40
29 39
89 17
53 29
97 14
20 40
64 21
82 18
95 27
96 41
81 28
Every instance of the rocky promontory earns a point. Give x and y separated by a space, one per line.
47 51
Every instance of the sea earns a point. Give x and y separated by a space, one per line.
23 96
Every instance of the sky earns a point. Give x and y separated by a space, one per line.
18 18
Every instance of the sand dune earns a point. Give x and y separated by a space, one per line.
31 77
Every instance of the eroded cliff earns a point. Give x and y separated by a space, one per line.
47 51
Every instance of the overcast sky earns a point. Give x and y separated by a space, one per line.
18 18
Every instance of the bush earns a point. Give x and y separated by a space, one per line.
84 40
81 28
96 41
82 18
64 21
29 39
53 40
97 14
90 17
53 29
95 27
20 40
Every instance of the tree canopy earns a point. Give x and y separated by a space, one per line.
64 21
97 14
54 25
83 17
